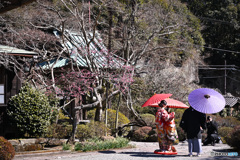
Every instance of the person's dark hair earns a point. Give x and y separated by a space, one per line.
208 117
162 102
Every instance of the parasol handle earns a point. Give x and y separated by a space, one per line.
207 96
167 109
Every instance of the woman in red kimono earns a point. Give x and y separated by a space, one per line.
166 130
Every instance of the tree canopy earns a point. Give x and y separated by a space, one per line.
220 20
161 37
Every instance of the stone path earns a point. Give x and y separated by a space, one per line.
142 150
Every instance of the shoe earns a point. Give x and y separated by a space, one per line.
190 155
198 155
213 144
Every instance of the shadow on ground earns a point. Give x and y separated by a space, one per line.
106 152
151 154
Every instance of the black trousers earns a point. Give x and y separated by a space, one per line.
211 139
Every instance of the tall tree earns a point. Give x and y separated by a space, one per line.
170 34
74 81
220 21
162 38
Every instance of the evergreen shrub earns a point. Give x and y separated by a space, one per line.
59 131
99 128
234 139
178 114
181 134
91 130
224 133
226 121
111 120
101 145
149 119
30 111
84 132
122 119
66 146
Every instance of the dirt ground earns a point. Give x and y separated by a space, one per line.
141 150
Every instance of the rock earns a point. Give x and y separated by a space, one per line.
105 138
41 140
27 141
55 142
14 142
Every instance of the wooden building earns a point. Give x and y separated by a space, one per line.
232 104
10 84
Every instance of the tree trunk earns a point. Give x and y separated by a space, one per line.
99 110
75 122
116 122
98 114
138 118
76 118
106 108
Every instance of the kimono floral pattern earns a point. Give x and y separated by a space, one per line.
166 130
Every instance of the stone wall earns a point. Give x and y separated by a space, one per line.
34 144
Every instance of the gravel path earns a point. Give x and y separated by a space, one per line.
142 150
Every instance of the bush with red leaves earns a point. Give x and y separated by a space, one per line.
7 151
144 134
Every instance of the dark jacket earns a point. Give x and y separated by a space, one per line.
191 122
212 128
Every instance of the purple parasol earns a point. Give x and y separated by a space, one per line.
206 100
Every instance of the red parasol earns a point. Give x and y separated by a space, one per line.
156 98
171 103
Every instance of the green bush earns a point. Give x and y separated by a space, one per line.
225 112
149 119
7 151
226 121
234 139
54 115
91 114
111 119
224 133
30 111
101 145
181 134
84 132
145 110
53 102
58 131
91 130
98 128
66 146
178 115
61 115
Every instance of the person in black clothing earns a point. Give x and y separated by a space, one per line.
193 123
212 132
